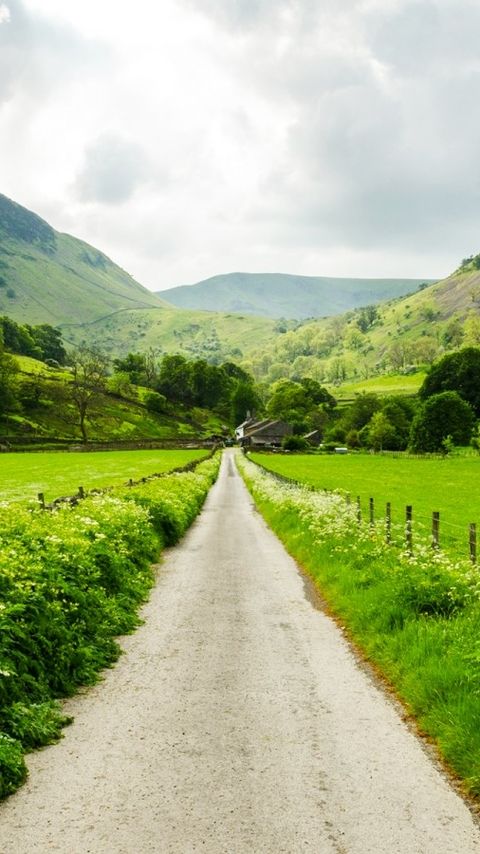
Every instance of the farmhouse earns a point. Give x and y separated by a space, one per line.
255 434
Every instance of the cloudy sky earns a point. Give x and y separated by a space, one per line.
187 138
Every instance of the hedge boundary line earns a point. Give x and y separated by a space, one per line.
72 580
415 616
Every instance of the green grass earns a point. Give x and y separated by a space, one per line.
195 334
71 581
111 419
417 618
450 486
24 475
404 384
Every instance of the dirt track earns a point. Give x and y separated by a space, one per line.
237 721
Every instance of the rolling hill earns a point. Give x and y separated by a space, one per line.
402 336
281 295
48 277
211 335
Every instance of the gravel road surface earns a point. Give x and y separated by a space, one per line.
238 720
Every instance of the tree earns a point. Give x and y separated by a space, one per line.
381 433
367 317
175 379
361 411
400 412
245 398
48 339
458 372
8 381
210 384
134 364
89 371
119 383
442 415
155 402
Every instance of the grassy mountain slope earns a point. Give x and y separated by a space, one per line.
113 418
195 334
282 295
48 277
407 335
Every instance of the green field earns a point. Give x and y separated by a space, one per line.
404 384
24 475
450 486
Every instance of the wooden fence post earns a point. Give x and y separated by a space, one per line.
372 511
408 528
41 500
81 492
388 523
435 530
130 482
359 510
473 542
348 498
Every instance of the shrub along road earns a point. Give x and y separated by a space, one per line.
237 721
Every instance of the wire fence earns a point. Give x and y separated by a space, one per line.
413 527
83 493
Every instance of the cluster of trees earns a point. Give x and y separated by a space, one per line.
305 404
445 411
226 388
42 342
444 414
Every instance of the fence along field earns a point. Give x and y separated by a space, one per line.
24 475
415 615
449 487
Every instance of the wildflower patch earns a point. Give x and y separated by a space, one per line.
70 581
416 615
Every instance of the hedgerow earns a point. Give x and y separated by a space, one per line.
70 581
416 615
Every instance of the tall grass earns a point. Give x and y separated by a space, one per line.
450 486
417 617
70 581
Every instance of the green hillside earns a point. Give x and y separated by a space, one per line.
48 277
282 295
47 413
398 337
196 334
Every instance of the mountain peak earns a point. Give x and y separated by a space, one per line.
18 223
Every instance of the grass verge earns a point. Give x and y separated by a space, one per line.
417 617
70 582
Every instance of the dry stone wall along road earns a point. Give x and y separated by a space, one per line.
237 721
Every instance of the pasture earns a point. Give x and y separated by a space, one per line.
450 486
56 473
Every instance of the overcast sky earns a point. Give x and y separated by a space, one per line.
186 138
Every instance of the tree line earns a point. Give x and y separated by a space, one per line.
444 413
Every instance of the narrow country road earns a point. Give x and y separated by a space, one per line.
237 721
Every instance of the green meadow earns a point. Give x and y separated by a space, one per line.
450 486
24 475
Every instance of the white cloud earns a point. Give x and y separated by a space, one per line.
4 13
190 138
113 170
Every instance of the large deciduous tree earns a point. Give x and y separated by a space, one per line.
458 372
89 371
441 416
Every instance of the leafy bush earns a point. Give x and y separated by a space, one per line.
442 415
294 443
156 402
70 581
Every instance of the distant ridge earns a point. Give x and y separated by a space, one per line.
289 296
48 277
